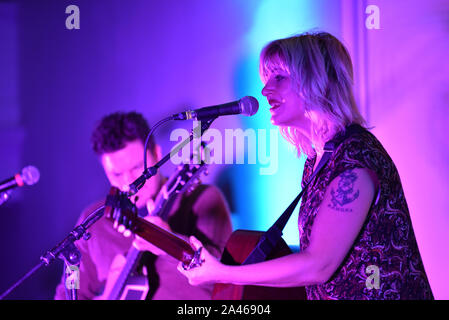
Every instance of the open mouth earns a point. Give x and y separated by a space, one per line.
274 104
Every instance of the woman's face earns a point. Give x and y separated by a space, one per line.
287 108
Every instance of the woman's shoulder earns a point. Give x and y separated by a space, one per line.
361 149
359 141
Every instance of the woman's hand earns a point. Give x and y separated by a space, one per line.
209 271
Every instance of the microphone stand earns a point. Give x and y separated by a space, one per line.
66 249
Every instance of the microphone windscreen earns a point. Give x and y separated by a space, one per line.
249 106
30 175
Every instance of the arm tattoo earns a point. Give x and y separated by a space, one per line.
345 192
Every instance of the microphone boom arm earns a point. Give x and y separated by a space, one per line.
197 132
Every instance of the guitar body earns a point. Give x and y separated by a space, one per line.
123 284
238 248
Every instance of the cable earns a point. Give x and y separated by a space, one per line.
148 139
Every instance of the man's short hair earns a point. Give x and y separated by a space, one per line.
115 130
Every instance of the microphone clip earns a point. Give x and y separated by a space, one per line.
140 181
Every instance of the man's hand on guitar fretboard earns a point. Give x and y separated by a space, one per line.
143 245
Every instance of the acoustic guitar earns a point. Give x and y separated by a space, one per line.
239 246
124 282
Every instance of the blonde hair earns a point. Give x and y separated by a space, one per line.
321 71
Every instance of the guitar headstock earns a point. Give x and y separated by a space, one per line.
118 207
185 178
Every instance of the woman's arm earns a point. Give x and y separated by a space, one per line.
339 220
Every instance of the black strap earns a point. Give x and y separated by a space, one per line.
272 236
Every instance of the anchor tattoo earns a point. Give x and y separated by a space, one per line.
345 192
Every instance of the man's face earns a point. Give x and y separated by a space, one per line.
124 166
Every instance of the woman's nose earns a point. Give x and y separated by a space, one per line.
266 90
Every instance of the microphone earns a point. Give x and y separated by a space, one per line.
247 106
29 176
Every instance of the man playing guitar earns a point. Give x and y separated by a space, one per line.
119 140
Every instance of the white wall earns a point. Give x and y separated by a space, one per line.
404 90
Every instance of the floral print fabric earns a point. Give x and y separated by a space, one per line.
386 242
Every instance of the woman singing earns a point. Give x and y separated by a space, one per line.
353 218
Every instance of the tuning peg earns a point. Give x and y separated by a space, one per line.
86 236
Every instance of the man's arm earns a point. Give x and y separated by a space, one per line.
214 220
213 223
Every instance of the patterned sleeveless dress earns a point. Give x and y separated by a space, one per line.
384 261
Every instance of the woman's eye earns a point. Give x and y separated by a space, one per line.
279 77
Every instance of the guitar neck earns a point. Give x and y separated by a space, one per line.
170 243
